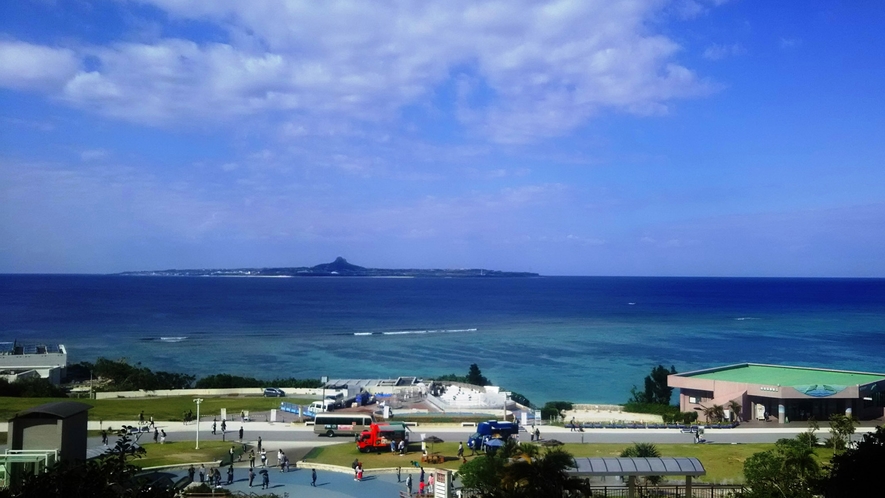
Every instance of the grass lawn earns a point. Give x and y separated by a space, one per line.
183 452
166 408
724 462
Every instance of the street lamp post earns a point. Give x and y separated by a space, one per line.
198 401
325 380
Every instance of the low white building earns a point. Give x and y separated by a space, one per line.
21 361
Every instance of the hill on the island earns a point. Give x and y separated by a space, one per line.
340 265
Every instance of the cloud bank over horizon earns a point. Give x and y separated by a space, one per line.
564 137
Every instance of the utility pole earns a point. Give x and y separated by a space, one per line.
198 401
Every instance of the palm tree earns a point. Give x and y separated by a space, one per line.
644 450
735 408
544 476
714 413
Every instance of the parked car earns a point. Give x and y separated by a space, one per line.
273 392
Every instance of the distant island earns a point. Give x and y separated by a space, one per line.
339 267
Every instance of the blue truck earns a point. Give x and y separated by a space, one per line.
493 429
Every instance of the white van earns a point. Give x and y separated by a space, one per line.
321 406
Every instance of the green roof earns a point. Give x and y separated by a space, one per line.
786 376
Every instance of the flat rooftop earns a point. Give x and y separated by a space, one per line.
751 373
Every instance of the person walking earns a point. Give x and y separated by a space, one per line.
409 484
241 433
259 443
213 428
223 426
156 435
104 438
163 436
230 474
313 477
251 476
460 450
231 453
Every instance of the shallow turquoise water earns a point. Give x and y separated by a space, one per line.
583 339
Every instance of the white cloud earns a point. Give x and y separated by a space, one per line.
716 52
93 154
541 69
25 66
788 43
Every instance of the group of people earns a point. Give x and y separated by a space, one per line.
159 436
213 476
424 487
357 467
282 461
401 447
262 454
265 478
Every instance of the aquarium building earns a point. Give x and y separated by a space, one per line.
20 361
781 393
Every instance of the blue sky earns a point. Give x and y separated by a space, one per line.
686 137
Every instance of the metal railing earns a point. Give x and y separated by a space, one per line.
665 491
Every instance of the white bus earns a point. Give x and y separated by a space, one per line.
334 424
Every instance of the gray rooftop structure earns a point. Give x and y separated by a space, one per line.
633 467
636 466
60 409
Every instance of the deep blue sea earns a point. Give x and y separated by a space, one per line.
584 339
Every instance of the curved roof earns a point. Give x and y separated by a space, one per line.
635 466
60 409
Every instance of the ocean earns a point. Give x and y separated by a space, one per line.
582 339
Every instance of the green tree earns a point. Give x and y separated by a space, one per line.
31 388
735 408
121 376
483 475
554 409
855 472
790 470
656 389
643 450
108 476
475 376
714 414
841 427
520 471
809 438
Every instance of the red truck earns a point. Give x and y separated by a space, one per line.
379 437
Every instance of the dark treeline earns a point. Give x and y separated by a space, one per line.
30 388
222 381
118 375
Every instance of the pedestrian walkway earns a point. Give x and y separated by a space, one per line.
329 484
